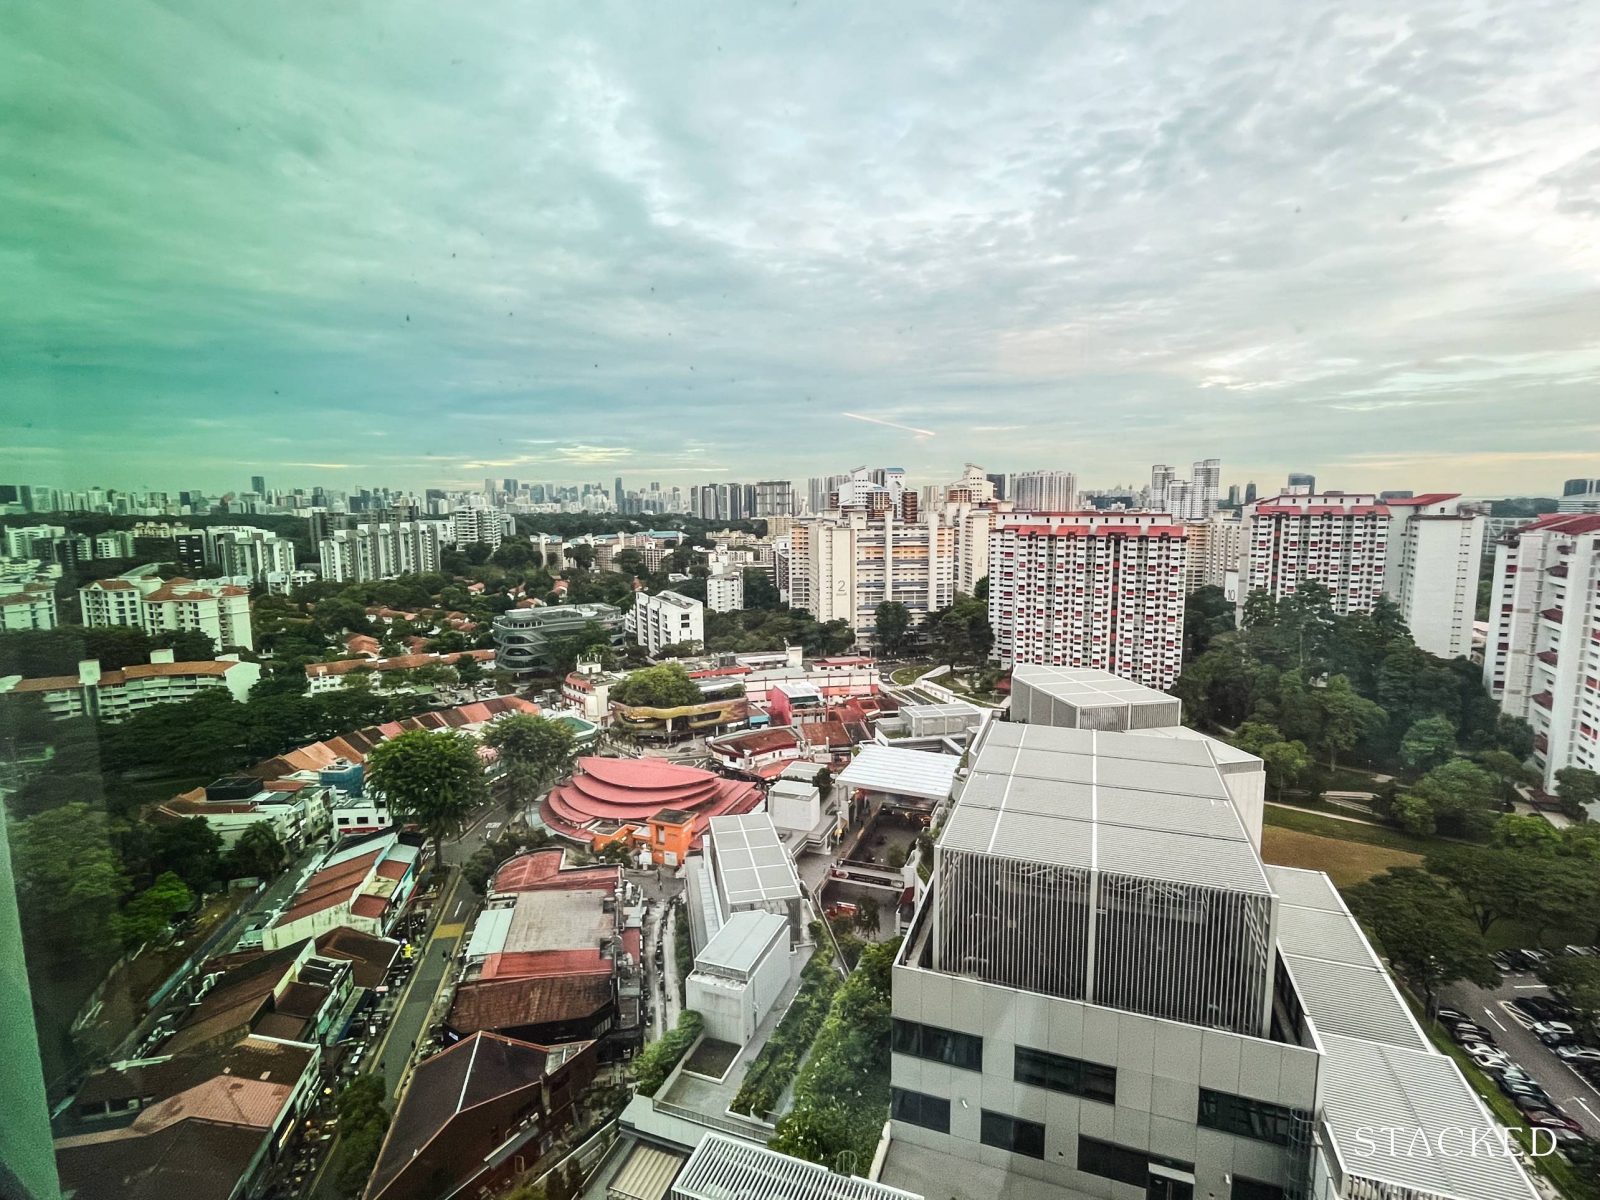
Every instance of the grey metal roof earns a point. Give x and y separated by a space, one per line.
646 1175
738 945
1341 982
1385 1110
1145 807
753 865
920 773
1085 687
725 1168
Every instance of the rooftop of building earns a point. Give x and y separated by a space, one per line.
736 948
1121 804
724 1167
546 869
918 773
527 1000
753 866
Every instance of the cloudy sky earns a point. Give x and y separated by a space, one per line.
413 243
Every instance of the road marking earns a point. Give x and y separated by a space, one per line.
1578 1100
1489 1012
460 904
454 930
1527 987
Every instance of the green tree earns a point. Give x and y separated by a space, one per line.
1424 929
1577 788
1514 736
469 671
533 752
1577 979
1508 769
628 561
149 914
893 622
580 555
1207 613
1461 797
759 590
362 1122
1285 760
434 779
664 686
68 879
259 853
1491 881
1429 742
191 849
1347 719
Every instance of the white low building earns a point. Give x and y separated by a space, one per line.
668 619
27 605
739 975
114 695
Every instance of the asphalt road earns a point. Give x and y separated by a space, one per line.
1490 1007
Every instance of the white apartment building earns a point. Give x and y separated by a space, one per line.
1431 569
1044 491
164 606
383 550
843 565
477 524
19 539
115 544
1106 993
114 695
248 551
1579 496
1542 656
1337 539
725 590
1223 545
1103 590
27 605
1193 499
668 619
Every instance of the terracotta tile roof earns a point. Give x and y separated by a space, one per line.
286 785
538 870
29 597
301 999
393 868
1419 501
543 964
370 956
197 1160
248 1058
283 1025
369 905
495 1004
329 886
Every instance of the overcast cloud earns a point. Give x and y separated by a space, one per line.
418 244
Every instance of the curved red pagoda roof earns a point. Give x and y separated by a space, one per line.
631 790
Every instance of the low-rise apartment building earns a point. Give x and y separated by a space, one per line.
668 619
115 695
221 612
27 605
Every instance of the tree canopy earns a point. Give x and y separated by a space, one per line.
533 752
664 686
892 621
432 778
1424 929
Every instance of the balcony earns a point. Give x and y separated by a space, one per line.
1545 700
1559 570
1541 743
1548 657
1552 614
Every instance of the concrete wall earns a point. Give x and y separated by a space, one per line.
733 1009
1161 1066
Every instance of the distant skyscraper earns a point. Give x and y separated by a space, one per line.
258 484
1001 491
1250 492
618 500
1303 479
1161 477
1206 484
1044 491
774 498
1233 495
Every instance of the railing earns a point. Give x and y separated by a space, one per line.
742 1127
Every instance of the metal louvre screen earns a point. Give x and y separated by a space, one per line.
1005 921
1187 953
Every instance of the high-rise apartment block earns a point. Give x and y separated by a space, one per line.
1339 540
1432 562
1223 543
1101 590
667 619
843 564
1106 993
1542 656
170 605
478 524
244 550
725 590
775 498
1044 491
1192 499
382 550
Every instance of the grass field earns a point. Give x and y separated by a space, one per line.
1304 821
1347 862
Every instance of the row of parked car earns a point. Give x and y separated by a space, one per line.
1517 962
1549 1020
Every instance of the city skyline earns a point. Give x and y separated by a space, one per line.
574 243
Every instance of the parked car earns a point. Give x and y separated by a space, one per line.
1534 958
1528 1102
1468 1032
1579 951
1539 1008
1486 1056
1554 1033
1550 1119
1506 961
1574 1053
1451 1016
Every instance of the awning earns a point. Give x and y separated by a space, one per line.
646 1175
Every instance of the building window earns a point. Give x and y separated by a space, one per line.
1013 1134
962 1050
1059 1073
918 1108
1244 1117
1254 1189
1121 1163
